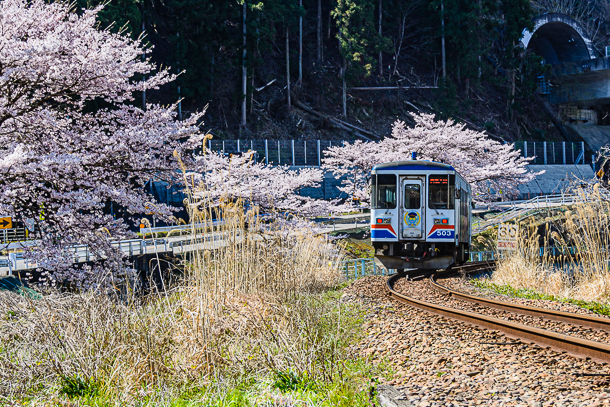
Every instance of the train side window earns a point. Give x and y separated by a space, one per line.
383 191
412 196
441 193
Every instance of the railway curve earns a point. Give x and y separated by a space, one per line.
577 346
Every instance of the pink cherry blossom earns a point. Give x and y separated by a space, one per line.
61 161
494 170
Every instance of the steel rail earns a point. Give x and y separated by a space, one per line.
578 346
561 316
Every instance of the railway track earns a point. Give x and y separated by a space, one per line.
574 345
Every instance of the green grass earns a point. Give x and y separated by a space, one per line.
596 307
361 249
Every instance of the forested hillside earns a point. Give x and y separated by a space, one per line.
288 68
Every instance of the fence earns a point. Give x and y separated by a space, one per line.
18 234
546 153
311 153
277 152
362 267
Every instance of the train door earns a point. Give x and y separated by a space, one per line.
412 209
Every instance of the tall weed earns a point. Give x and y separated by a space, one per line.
252 303
565 254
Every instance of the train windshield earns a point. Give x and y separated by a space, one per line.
383 188
441 191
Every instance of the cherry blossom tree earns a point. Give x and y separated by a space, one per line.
70 140
494 170
352 164
275 189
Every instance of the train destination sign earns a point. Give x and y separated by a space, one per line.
508 236
6 223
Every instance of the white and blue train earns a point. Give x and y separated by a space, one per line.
420 215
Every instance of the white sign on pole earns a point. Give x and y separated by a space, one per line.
508 236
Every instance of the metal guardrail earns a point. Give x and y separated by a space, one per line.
167 229
482 256
14 235
535 204
550 251
132 247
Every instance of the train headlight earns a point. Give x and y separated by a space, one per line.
444 221
381 221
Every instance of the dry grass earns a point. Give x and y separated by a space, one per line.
579 266
253 306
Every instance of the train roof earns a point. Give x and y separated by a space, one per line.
414 166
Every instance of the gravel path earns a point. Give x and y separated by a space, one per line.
441 362
422 290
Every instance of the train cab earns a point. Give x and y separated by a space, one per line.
420 215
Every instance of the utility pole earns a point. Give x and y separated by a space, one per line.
243 70
300 44
319 31
288 65
443 38
178 66
380 53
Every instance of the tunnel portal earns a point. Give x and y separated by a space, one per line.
559 39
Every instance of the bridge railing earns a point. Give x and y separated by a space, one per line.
521 208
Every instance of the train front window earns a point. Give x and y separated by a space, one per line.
412 196
441 193
383 191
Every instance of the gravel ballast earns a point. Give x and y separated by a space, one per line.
440 362
422 290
